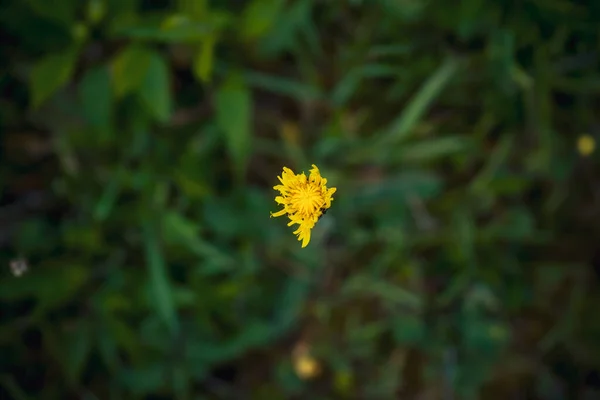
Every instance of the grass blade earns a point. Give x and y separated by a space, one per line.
159 280
402 126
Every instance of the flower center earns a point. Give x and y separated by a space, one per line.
307 200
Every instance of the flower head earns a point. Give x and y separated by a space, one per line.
304 200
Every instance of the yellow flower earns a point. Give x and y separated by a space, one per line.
586 145
305 364
307 367
304 200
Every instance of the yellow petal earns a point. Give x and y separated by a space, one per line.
306 238
278 213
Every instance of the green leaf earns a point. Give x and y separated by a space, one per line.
222 216
349 84
395 189
403 126
175 28
259 17
204 60
78 345
501 54
32 235
159 279
495 161
285 87
181 231
403 10
51 285
432 149
195 8
62 11
387 292
408 329
123 336
234 110
463 237
107 349
291 301
517 224
130 69
470 16
50 74
95 11
109 196
96 99
181 28
288 25
155 90
146 379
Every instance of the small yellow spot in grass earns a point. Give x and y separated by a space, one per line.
586 145
290 132
304 199
305 365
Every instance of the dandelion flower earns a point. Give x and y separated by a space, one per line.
304 200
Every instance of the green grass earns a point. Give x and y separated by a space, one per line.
140 144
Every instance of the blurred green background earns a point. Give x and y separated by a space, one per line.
140 142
